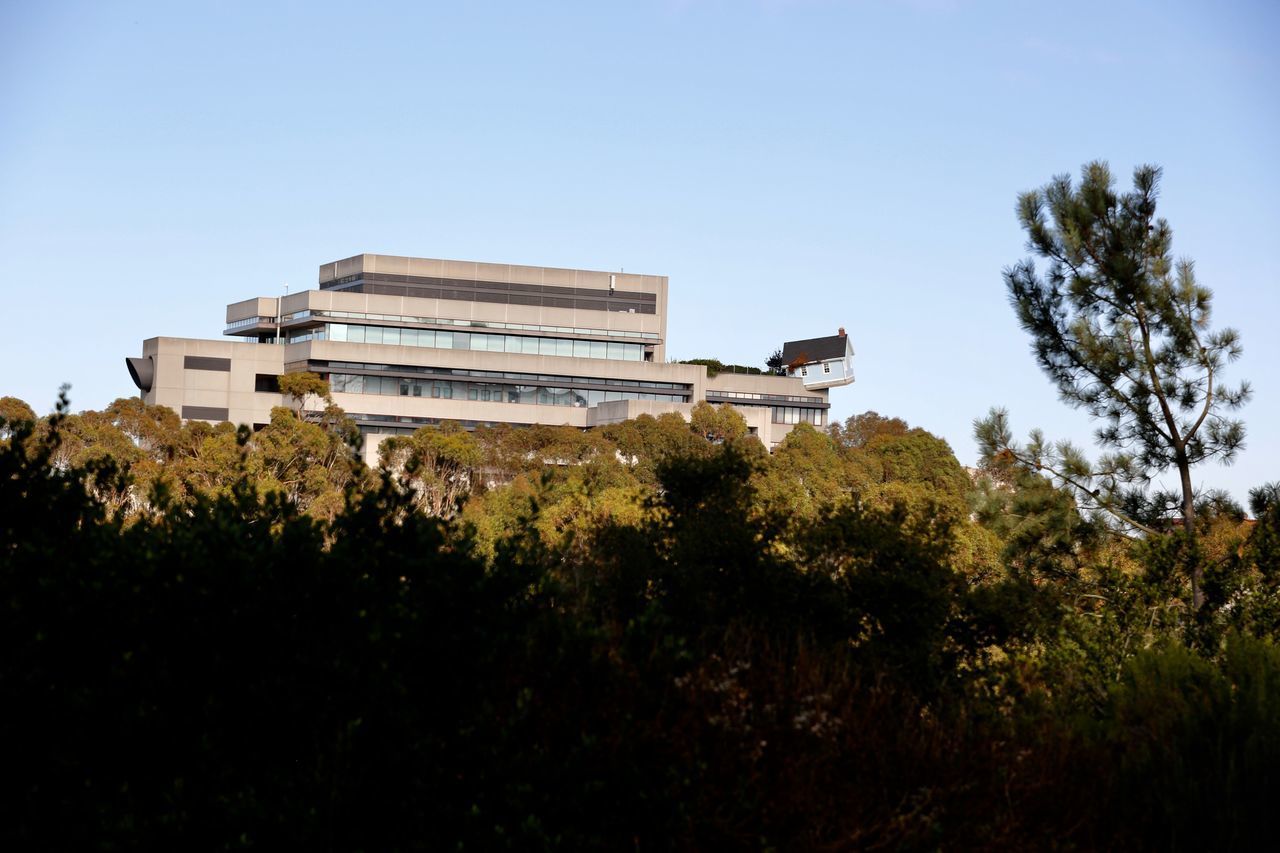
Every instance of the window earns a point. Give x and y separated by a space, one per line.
265 383
804 371
826 367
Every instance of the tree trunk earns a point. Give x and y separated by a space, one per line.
1189 525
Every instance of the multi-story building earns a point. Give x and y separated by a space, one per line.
407 342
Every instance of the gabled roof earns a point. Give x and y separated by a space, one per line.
814 349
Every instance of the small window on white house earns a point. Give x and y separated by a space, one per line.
826 367
804 371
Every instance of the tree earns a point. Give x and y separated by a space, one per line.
775 364
13 412
301 386
717 424
804 474
310 464
645 442
438 464
1123 332
860 429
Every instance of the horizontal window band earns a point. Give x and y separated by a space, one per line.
712 397
321 317
578 304
460 284
398 421
488 392
411 371
200 362
204 413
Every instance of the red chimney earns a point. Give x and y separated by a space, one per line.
842 331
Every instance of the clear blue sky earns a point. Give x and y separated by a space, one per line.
792 166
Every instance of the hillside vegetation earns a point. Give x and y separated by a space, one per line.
648 635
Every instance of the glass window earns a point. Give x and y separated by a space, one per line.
564 347
461 340
529 346
355 334
391 336
633 352
513 343
595 398
373 334
826 368
582 349
615 351
444 340
599 349
337 331
546 346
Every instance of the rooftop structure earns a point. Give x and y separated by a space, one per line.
407 342
820 362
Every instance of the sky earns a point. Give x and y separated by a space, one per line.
793 167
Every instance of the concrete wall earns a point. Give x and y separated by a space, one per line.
178 386
510 273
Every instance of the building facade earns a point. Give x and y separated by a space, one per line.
409 342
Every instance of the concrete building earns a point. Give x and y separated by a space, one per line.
408 342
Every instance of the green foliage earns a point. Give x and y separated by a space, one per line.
1123 332
302 385
804 475
814 649
715 367
644 443
1191 730
440 465
1041 529
13 413
718 424
857 430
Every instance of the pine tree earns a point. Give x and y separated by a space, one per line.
1123 331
